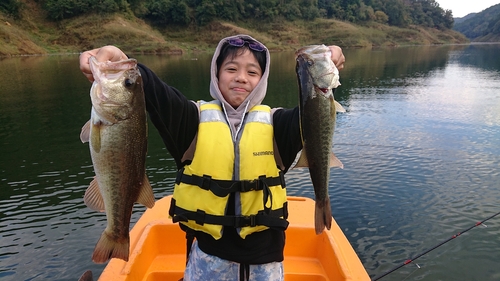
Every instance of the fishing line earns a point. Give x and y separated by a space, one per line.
417 268
433 248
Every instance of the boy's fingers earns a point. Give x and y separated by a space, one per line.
107 53
84 63
337 56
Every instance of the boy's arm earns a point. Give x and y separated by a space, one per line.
287 134
174 116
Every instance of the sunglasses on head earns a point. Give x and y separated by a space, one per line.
239 42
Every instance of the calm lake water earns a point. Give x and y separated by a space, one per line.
420 142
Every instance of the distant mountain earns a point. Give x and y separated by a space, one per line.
481 27
459 20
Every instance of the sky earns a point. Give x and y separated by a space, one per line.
461 8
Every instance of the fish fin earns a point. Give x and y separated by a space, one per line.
87 276
96 138
107 248
93 198
322 215
85 133
335 162
302 162
338 107
146 196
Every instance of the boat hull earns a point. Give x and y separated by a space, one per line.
158 249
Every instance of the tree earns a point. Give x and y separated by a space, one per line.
290 11
333 8
64 9
366 13
205 12
428 13
163 12
381 17
11 7
448 19
309 9
397 13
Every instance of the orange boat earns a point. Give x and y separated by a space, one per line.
158 249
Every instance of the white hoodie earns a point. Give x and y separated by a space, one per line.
236 115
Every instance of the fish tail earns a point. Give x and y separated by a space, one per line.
107 248
322 215
86 276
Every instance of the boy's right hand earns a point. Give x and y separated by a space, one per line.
106 53
338 57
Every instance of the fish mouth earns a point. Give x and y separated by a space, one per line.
324 90
324 79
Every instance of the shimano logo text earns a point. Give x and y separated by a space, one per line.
263 153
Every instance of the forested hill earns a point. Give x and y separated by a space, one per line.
41 26
483 26
459 20
183 12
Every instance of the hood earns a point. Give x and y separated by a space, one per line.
235 115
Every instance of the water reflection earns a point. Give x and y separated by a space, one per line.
480 55
418 141
428 144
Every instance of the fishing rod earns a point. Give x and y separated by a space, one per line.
433 248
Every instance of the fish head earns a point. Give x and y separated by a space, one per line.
315 62
117 88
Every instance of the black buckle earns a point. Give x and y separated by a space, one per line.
179 175
251 185
206 181
249 220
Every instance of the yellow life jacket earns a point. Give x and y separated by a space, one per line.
220 167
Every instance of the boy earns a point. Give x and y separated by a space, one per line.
232 154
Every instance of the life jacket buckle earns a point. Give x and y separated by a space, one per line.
206 182
178 178
249 221
250 185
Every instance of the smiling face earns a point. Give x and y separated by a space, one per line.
238 76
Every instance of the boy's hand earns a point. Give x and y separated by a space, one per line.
337 56
106 53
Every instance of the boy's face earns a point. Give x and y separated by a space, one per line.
238 76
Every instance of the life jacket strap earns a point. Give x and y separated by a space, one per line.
222 188
189 243
270 218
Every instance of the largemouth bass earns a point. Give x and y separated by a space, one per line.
318 77
117 136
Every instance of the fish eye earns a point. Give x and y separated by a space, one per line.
128 83
310 62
